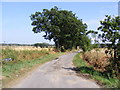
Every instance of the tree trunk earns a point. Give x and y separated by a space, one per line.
115 54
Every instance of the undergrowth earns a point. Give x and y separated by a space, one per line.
102 78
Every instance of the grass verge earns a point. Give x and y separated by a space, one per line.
83 68
13 70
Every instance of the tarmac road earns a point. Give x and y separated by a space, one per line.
57 73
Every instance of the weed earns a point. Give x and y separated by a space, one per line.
101 77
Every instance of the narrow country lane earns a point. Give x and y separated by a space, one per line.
56 74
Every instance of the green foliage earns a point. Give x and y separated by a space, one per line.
95 46
62 26
85 43
118 50
110 28
78 62
91 32
42 45
10 68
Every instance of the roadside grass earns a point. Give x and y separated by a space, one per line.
0 77
83 68
12 70
22 55
12 67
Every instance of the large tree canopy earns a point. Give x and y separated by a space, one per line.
60 25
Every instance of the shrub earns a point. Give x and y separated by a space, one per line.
9 53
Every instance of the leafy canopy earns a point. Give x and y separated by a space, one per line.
60 25
111 30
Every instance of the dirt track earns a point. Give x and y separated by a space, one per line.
57 73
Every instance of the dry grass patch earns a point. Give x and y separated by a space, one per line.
22 62
88 66
97 58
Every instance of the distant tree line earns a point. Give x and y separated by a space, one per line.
36 44
52 45
4 44
42 45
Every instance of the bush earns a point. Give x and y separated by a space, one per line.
85 68
9 53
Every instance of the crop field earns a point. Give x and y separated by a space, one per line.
16 61
18 48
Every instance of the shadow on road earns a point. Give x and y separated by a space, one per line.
86 70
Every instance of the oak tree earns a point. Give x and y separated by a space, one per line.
62 26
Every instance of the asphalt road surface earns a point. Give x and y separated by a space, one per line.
57 73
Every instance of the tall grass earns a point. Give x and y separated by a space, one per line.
22 62
83 67
11 68
22 55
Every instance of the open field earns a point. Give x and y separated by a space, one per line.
23 61
18 48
